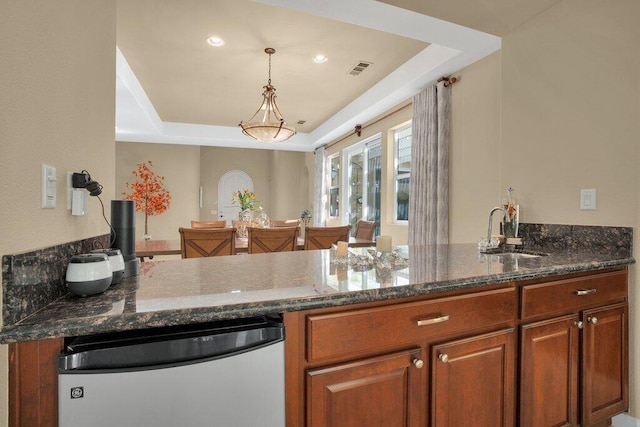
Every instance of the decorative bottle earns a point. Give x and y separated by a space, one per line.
511 219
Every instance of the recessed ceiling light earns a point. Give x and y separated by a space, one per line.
319 59
215 41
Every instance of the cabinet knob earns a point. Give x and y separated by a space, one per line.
593 320
418 363
444 357
579 324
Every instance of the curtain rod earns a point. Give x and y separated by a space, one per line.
448 81
359 128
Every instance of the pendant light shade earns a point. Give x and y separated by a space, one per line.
267 124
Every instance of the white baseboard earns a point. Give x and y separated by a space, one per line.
625 420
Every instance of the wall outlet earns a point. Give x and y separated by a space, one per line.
588 199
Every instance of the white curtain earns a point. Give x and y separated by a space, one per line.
319 188
429 188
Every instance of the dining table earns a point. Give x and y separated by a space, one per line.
151 248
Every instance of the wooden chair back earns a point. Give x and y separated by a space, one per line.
365 229
208 224
285 223
206 242
324 237
278 239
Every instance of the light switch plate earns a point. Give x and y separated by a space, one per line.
48 187
588 199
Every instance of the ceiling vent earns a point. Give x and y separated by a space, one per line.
301 122
359 67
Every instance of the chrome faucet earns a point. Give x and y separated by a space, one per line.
497 208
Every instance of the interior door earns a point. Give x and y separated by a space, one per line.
228 184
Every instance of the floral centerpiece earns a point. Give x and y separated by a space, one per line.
306 216
246 199
148 192
248 203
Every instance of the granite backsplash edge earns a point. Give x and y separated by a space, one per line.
556 237
33 279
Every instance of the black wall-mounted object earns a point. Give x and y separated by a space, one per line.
83 180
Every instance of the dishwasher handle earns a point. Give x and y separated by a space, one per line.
168 351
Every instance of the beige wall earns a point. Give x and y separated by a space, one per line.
474 152
289 186
57 107
180 165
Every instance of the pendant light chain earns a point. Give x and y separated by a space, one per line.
269 82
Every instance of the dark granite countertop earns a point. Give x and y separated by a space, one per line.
198 290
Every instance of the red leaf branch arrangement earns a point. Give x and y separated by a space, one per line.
148 192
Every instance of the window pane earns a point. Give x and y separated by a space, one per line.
403 150
402 192
334 197
335 171
402 139
355 189
374 176
334 186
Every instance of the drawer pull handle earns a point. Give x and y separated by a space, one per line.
444 357
579 324
581 292
424 322
593 320
418 363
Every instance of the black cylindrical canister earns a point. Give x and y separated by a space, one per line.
123 234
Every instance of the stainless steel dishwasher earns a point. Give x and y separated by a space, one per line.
226 374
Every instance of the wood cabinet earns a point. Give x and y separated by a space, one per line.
33 383
472 381
605 361
573 367
364 366
382 390
539 353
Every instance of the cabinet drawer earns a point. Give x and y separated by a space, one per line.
563 296
374 329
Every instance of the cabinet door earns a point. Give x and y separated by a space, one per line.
549 372
381 391
605 361
473 381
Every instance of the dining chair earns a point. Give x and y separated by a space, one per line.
208 224
285 223
324 237
278 239
365 229
207 242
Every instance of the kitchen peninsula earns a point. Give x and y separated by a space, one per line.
403 338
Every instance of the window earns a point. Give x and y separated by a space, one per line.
364 170
402 141
334 186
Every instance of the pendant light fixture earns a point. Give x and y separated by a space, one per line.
267 124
